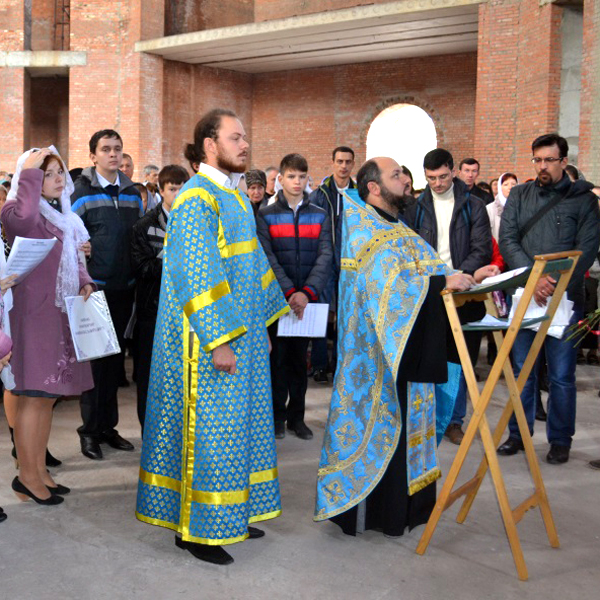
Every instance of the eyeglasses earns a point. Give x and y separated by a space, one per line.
536 160
433 179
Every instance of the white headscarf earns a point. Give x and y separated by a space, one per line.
500 196
74 231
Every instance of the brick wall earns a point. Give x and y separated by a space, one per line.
189 92
119 88
314 110
183 16
42 25
12 85
265 10
518 89
589 132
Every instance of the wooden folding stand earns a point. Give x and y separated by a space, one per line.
561 263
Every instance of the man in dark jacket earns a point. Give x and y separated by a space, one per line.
329 196
468 171
296 237
147 241
550 214
108 205
455 223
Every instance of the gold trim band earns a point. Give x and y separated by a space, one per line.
283 311
238 248
267 278
205 298
225 338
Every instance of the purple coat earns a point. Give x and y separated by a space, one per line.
43 355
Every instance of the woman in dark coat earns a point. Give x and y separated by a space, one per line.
43 361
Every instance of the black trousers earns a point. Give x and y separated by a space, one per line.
99 408
144 340
288 376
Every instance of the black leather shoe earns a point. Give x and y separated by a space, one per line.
114 440
320 376
558 454
594 464
279 430
212 554
511 446
254 533
3 515
90 447
301 430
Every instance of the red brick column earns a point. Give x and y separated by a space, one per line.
589 132
518 82
119 88
12 86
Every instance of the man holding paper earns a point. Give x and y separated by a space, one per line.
296 237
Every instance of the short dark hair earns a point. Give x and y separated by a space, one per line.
551 139
107 133
468 161
172 174
293 162
342 149
438 158
125 155
207 127
370 171
485 186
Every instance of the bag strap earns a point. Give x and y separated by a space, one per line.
539 214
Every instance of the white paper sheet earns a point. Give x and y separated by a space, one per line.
562 316
312 325
91 326
498 278
25 255
490 321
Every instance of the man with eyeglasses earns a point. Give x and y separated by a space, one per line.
550 214
456 224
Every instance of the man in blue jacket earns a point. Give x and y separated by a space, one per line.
108 205
296 237
550 214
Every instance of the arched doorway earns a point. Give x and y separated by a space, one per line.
406 133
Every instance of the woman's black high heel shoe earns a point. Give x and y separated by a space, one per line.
3 515
23 493
59 490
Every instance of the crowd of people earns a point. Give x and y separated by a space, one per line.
197 271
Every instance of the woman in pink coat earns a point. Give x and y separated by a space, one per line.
43 360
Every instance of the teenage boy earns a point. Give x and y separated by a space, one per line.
109 206
296 237
147 242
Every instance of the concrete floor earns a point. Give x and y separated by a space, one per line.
92 547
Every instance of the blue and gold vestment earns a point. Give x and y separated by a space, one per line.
208 465
384 279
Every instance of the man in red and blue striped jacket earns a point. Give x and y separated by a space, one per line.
296 237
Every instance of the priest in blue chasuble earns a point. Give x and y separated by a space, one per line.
208 466
379 459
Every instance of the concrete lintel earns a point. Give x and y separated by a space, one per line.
323 19
43 59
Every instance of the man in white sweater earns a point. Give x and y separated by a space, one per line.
456 224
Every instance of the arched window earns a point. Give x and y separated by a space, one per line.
405 133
